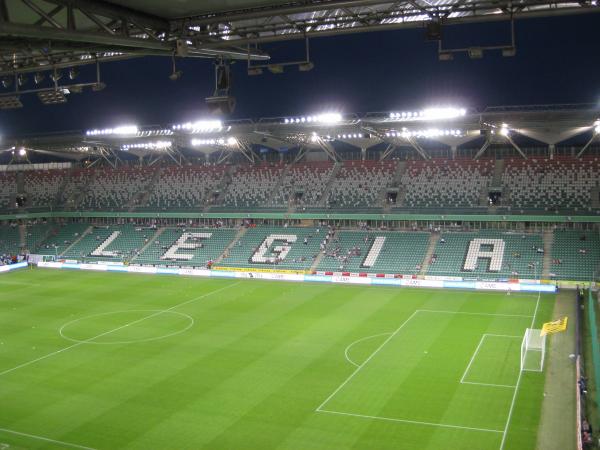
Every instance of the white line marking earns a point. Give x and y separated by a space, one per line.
366 360
33 361
41 438
512 386
189 325
474 313
356 342
414 422
473 357
512 403
462 380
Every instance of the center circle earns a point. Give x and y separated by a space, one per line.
126 327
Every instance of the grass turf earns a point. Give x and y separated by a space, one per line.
93 359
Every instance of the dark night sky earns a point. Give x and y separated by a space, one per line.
557 62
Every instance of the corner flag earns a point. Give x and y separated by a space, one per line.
555 326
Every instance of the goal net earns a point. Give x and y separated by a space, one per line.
533 350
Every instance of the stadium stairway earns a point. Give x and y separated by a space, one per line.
87 231
433 241
321 254
22 235
141 198
336 168
150 241
547 261
241 232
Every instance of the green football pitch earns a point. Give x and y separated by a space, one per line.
111 361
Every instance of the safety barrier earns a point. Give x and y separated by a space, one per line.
11 267
401 282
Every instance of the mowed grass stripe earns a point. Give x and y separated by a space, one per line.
248 375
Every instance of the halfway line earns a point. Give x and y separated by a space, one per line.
116 329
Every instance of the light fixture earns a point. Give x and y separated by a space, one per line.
98 86
123 129
200 126
504 131
509 51
10 102
306 66
7 82
275 68
475 52
52 97
38 77
437 113
445 56
21 79
155 145
231 141
22 151
252 71
73 73
55 76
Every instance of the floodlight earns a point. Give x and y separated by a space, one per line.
475 53
176 75
7 82
231 141
275 68
329 117
255 71
442 113
52 97
38 78
306 67
10 102
504 131
22 151
73 73
21 79
509 51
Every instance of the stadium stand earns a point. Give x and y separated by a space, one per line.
8 190
185 187
186 247
304 184
115 188
575 255
252 186
522 255
42 187
360 184
443 183
120 243
9 239
60 237
551 184
254 249
400 252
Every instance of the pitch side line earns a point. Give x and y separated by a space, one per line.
414 422
512 403
33 361
45 439
366 361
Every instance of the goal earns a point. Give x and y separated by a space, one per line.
533 350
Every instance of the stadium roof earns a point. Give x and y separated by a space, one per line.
322 131
48 34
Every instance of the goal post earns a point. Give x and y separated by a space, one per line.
533 350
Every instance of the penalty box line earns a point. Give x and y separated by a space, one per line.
321 409
462 380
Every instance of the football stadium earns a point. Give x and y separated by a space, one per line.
420 278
